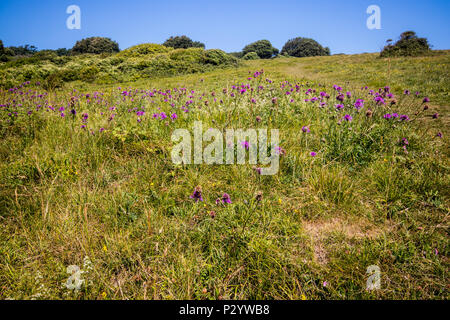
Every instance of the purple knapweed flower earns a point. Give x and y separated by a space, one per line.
226 198
348 117
404 117
197 194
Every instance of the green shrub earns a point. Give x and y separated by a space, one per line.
95 45
89 73
53 81
408 45
25 50
218 57
251 56
263 49
146 49
182 42
187 55
304 47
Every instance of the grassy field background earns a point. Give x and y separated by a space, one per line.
309 232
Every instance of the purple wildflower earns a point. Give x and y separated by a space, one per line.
348 117
197 194
226 198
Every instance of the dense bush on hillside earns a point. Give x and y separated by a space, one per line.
409 44
251 56
25 50
142 50
182 42
3 54
141 61
263 49
95 45
304 47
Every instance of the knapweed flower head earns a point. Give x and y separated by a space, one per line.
306 129
224 199
339 106
245 144
425 100
404 142
313 154
379 100
348 118
280 151
197 194
404 117
257 170
359 104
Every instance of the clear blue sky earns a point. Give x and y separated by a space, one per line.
228 25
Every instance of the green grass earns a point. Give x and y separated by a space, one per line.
117 198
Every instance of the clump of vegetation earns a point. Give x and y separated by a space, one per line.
409 44
304 47
144 50
218 57
3 54
9 53
182 42
251 56
142 61
26 50
263 48
95 45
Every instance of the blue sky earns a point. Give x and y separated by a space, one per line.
228 25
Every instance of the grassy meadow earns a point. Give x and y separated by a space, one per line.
86 179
